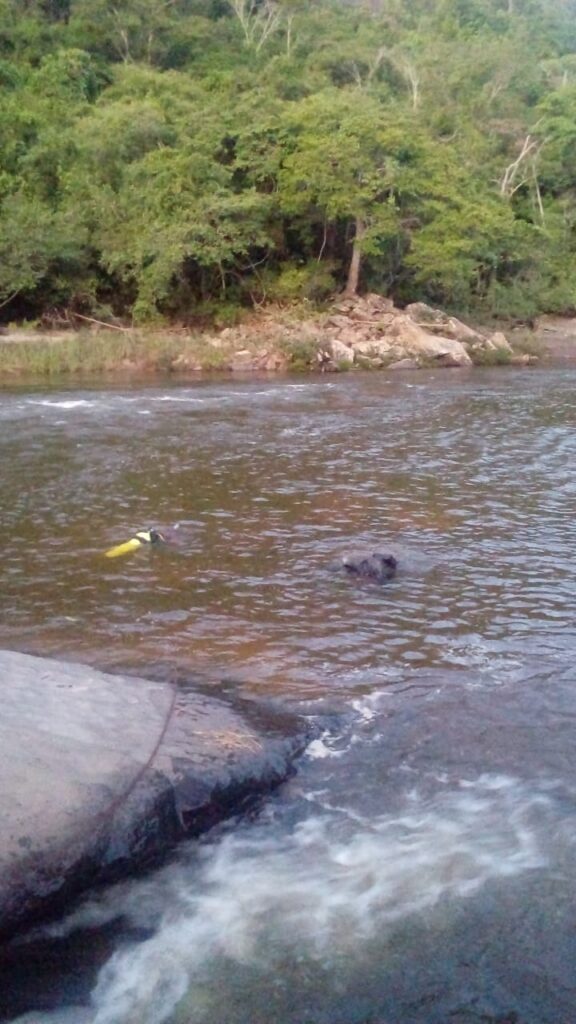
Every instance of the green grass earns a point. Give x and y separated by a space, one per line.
527 342
491 356
301 355
89 352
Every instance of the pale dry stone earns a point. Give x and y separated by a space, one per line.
462 332
276 361
373 348
418 342
438 322
338 320
341 353
421 313
500 341
404 364
378 302
349 336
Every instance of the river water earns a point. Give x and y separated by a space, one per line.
419 867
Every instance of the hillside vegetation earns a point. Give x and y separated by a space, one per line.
178 160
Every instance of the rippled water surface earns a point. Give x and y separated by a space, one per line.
419 867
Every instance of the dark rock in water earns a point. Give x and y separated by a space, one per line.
102 774
377 566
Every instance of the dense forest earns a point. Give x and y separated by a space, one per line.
178 159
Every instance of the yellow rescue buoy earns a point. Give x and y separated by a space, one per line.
144 537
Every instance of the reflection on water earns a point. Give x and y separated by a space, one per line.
416 870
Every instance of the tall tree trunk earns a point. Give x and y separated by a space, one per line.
354 268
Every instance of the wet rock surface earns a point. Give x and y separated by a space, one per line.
102 774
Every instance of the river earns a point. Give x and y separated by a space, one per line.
419 866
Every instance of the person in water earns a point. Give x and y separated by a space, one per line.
139 539
376 566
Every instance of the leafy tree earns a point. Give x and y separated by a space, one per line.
348 160
163 151
35 242
469 243
176 206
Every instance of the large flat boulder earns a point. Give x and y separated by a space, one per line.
101 774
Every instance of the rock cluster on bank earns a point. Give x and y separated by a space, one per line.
367 332
364 331
372 331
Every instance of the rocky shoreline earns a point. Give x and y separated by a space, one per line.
367 332
364 332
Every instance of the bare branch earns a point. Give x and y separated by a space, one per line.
538 193
412 75
101 323
258 21
507 185
403 66
289 21
324 240
380 55
10 297
269 17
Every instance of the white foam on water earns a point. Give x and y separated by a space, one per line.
178 398
319 749
319 893
368 706
70 403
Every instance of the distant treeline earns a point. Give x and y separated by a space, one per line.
184 158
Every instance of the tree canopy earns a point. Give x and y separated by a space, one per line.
160 157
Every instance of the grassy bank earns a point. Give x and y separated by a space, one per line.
269 341
89 352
